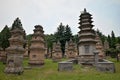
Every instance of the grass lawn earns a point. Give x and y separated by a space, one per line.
49 72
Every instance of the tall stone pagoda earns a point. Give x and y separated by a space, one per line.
37 48
15 51
99 47
56 53
70 49
87 43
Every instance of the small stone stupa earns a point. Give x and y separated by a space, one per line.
70 49
37 48
56 53
15 51
106 45
99 47
87 43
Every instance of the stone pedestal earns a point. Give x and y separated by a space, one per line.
14 64
65 66
106 66
96 57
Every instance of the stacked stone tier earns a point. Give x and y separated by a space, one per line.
37 35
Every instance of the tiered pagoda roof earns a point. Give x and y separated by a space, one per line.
86 33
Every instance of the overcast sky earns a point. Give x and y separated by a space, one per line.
50 13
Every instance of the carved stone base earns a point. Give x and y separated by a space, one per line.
86 59
14 64
36 63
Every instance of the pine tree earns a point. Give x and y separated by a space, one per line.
60 36
118 40
113 40
109 40
63 34
5 35
68 33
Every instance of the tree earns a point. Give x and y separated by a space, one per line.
113 40
118 40
5 35
49 39
60 36
28 39
102 36
17 24
109 40
63 34
76 38
67 33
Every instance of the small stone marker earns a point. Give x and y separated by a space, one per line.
65 66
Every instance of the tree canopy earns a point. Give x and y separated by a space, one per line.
17 24
4 36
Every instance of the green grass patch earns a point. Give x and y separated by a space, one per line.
49 72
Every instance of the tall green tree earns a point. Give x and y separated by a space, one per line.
118 40
60 36
63 34
5 35
109 41
113 40
68 33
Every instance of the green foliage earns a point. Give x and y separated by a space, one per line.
76 38
118 40
67 33
113 40
63 34
102 36
17 24
49 39
109 40
112 52
4 36
28 39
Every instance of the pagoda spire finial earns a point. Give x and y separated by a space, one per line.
85 10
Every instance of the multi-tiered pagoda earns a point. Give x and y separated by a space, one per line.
70 49
15 51
37 48
87 43
56 53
